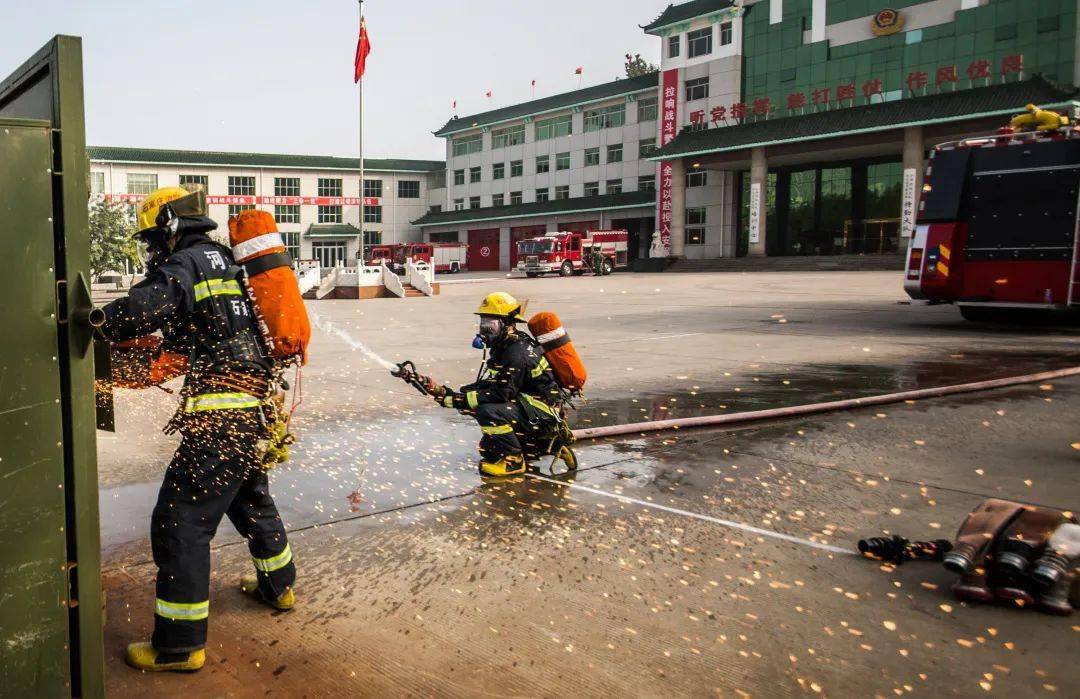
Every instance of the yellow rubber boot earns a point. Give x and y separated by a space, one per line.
510 465
143 656
249 584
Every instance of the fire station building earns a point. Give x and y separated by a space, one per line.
316 200
775 127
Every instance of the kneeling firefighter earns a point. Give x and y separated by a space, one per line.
197 297
516 398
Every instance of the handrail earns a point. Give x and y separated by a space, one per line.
420 275
392 282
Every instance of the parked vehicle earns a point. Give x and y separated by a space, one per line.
572 253
995 231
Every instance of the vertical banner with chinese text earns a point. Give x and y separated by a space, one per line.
669 112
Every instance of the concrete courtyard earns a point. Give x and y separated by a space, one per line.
417 578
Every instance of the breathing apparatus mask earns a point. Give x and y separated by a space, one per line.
491 331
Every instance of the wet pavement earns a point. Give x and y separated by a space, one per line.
419 578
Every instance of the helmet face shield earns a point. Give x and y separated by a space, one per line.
194 204
490 329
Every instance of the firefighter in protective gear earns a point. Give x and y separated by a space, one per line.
515 399
193 296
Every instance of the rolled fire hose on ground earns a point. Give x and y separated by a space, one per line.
816 408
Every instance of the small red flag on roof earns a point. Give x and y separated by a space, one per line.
579 70
488 93
363 48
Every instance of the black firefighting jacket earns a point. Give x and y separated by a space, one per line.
198 302
515 369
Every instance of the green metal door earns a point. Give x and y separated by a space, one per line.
33 557
50 572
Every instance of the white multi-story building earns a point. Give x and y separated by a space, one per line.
316 200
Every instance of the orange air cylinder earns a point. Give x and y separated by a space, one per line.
257 245
559 350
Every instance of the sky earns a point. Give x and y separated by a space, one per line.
275 76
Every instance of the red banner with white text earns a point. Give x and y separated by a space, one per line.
669 117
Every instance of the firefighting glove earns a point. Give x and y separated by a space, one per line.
445 396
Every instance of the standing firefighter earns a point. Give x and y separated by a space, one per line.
195 295
516 399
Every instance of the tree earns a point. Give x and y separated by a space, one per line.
637 66
111 227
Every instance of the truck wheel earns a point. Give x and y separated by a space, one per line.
607 267
979 314
532 275
567 269
454 268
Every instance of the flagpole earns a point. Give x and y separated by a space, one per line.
361 127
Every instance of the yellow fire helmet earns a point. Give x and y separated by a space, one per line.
502 305
185 200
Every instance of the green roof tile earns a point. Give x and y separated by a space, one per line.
992 100
624 200
585 95
686 11
219 158
331 230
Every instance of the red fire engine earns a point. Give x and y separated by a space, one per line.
446 257
570 252
996 227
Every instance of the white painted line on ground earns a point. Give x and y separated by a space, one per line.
686 513
649 337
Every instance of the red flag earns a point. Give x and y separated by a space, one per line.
488 93
363 48
579 70
455 104
534 83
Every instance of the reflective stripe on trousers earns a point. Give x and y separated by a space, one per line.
182 611
496 429
216 287
220 401
269 565
538 404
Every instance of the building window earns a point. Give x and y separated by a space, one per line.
554 127
197 180
463 145
562 161
614 186
497 199
695 236
699 42
542 194
696 179
646 109
510 136
292 243
371 238
241 185
592 156
331 187
673 46
287 213
372 214
695 216
725 33
374 188
515 198
408 189
330 214
592 189
142 183
459 204
516 168
287 187
329 253
647 147
498 171
444 237
235 209
697 89
605 117
459 177
435 208
646 183
474 174
438 180
474 202
614 153
97 182
543 164
562 191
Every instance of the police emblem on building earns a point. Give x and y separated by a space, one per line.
886 22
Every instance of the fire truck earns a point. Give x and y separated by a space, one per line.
572 253
995 232
446 257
